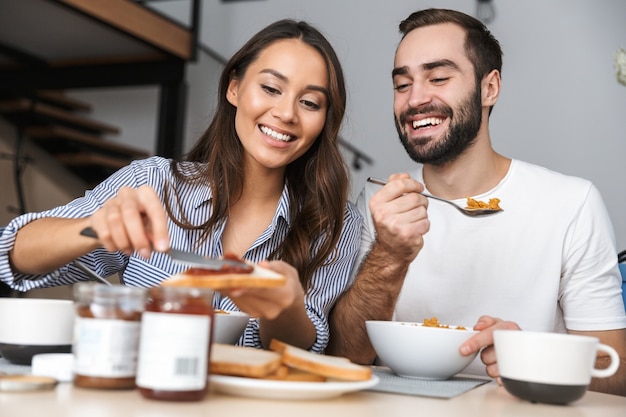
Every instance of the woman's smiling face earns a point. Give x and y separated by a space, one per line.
281 103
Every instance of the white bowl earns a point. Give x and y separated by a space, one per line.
413 350
228 326
29 326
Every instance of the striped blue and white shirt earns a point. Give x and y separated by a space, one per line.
328 282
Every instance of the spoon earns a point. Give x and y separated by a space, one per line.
88 271
467 211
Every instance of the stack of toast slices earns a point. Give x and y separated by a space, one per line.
284 362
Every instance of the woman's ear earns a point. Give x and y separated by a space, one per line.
231 92
491 88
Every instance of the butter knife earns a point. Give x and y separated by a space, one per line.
187 258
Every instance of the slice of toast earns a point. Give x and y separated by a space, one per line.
258 278
325 365
243 361
287 373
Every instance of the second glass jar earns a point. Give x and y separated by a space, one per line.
174 347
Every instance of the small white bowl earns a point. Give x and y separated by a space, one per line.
413 350
228 326
29 326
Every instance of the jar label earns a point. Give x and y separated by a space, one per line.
105 348
173 351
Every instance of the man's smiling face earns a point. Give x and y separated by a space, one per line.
437 102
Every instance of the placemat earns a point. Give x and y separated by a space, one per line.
449 388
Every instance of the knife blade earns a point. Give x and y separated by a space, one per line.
194 260
188 258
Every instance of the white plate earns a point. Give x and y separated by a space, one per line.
286 390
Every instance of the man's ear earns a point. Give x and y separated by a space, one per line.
231 92
490 88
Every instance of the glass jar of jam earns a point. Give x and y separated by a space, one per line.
106 335
174 347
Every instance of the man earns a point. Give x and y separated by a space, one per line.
547 262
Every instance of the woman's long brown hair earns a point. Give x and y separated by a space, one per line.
317 182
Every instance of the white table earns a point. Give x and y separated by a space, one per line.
487 400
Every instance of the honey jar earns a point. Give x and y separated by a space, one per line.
106 335
174 345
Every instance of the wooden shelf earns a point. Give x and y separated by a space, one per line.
62 45
60 99
31 108
55 133
72 44
74 139
67 32
139 22
86 159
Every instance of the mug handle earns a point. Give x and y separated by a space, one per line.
604 373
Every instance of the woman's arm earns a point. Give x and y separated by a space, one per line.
48 243
133 220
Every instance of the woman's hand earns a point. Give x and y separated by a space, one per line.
281 310
484 340
269 303
134 220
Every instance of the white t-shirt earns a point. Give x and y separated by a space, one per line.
548 261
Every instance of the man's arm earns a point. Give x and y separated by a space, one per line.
400 219
373 296
615 384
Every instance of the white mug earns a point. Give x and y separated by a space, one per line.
549 367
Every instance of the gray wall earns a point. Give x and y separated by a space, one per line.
561 106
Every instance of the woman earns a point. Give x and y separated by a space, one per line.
265 181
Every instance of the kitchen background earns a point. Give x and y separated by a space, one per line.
561 105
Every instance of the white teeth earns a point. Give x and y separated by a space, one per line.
276 135
425 122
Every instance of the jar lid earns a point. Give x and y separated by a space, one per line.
55 365
129 298
26 383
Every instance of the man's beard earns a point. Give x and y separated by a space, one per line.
461 134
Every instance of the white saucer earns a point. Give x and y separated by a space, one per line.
286 390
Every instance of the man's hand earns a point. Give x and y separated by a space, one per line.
484 340
400 217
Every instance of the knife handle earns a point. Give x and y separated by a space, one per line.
89 232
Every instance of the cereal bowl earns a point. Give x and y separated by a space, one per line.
228 326
414 350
